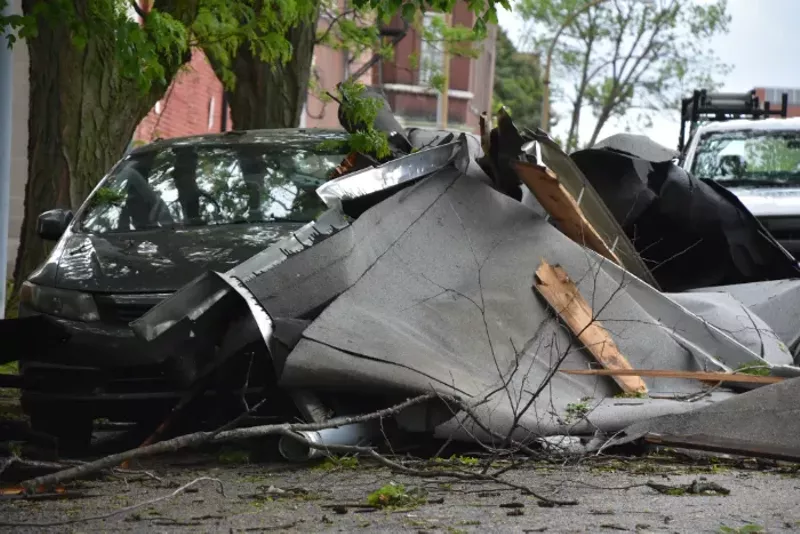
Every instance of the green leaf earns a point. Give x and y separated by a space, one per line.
409 11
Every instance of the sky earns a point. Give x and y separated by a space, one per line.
762 47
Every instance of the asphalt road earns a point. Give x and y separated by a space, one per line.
612 496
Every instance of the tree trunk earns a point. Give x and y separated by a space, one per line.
572 136
605 114
272 95
82 115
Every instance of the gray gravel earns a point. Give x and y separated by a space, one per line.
767 499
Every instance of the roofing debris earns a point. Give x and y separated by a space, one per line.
558 295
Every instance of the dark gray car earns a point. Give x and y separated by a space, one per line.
165 214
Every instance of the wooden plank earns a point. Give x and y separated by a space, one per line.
557 201
704 376
563 296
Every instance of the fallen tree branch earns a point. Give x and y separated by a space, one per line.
117 512
199 438
400 468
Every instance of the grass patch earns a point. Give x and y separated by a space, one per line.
457 459
396 496
230 456
333 463
12 302
746 529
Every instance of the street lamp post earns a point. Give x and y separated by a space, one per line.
546 78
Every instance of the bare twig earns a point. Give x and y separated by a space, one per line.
117 512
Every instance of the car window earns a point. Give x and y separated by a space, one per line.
193 185
749 155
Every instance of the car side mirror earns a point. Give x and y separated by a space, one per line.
52 224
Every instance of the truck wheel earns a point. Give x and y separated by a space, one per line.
73 433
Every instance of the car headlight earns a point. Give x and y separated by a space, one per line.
59 302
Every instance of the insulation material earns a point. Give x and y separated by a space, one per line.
691 233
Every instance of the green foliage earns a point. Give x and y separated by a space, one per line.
334 463
517 83
467 461
105 196
396 496
616 56
233 456
754 368
386 9
12 300
631 395
576 411
361 110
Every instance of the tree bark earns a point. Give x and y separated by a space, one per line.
605 114
572 136
82 115
272 95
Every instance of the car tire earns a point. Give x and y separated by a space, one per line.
72 433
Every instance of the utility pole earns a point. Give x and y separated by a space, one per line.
6 87
444 96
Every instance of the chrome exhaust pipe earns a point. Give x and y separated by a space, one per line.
297 451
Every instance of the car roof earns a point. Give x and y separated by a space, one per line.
277 136
758 124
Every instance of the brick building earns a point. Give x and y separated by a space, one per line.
773 96
195 103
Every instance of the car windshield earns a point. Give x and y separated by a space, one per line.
203 185
748 156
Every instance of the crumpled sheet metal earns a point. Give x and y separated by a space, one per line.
444 303
430 289
775 302
183 313
712 329
767 418
391 174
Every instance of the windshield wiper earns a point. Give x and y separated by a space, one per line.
755 182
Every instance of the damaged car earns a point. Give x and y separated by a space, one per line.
497 271
165 214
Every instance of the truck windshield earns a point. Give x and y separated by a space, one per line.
203 185
749 157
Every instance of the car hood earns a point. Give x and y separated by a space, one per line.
159 260
770 201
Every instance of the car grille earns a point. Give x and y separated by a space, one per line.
123 309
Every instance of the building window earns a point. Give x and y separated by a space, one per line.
431 57
158 107
773 96
211 110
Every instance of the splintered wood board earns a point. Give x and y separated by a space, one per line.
703 376
553 283
557 201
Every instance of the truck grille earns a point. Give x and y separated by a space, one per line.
123 309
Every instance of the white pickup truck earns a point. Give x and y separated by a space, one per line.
759 162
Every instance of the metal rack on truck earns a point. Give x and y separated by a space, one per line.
703 106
